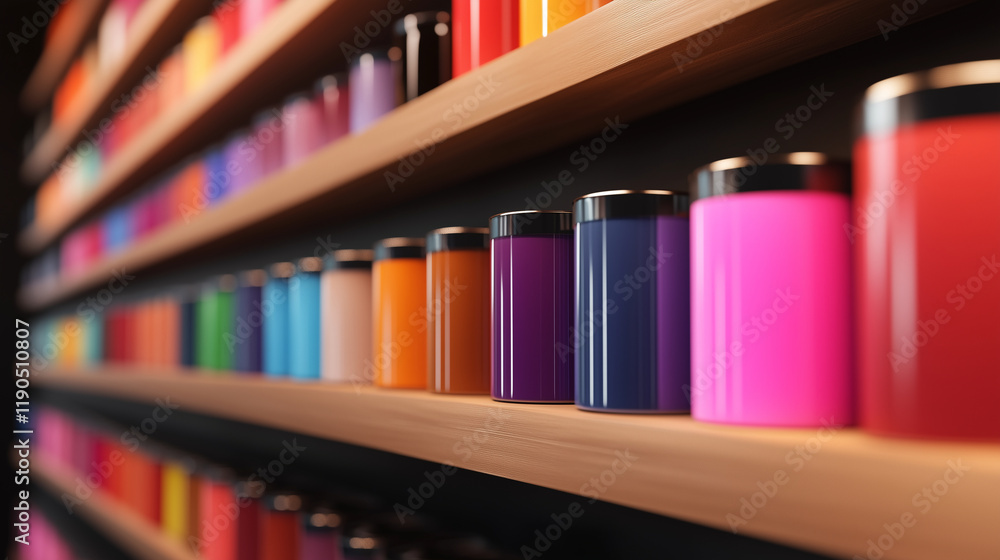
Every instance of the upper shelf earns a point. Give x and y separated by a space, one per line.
114 520
60 50
829 490
158 25
541 96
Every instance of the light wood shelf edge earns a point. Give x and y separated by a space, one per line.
118 523
152 18
538 78
244 58
841 496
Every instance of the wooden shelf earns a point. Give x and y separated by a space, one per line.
616 62
276 55
842 486
158 25
118 523
60 50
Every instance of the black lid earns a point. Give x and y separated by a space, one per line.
222 283
320 518
968 88
806 171
629 204
350 259
253 278
432 17
251 489
282 501
531 222
304 95
399 248
458 238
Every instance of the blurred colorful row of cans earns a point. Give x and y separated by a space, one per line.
224 513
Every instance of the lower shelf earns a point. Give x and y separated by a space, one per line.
119 524
833 490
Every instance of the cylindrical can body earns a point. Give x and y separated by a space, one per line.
458 310
771 296
207 347
632 332
217 180
372 89
268 142
174 506
347 316
929 255
532 299
274 331
279 536
227 19
188 327
399 292
304 321
482 31
424 41
303 133
201 48
248 494
248 322
333 98
217 529
538 18
320 544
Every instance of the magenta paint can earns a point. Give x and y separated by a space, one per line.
771 294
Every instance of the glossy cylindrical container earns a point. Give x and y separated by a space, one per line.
142 486
538 18
399 300
372 88
482 31
304 320
242 162
248 499
320 535
274 331
422 45
303 133
249 320
458 310
332 95
213 342
631 342
532 306
227 19
217 510
201 49
187 341
278 537
771 294
175 477
928 254
217 180
267 142
346 299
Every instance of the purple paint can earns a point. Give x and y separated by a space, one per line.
532 291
